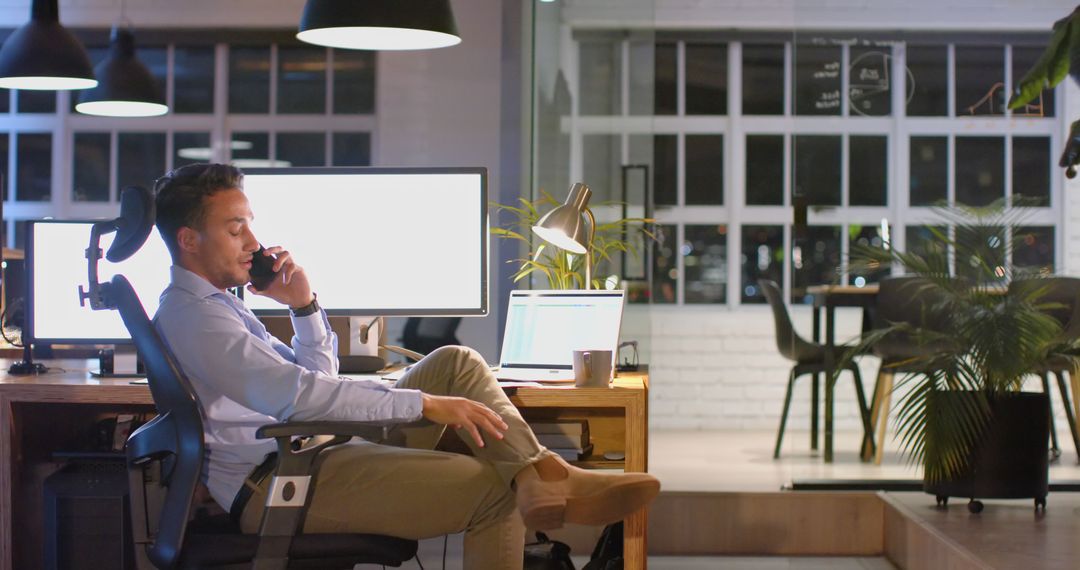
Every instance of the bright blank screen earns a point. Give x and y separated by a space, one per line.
378 241
58 266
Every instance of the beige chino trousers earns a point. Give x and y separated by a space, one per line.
404 488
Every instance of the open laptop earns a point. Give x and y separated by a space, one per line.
543 328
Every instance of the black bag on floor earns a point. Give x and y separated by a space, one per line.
608 553
547 554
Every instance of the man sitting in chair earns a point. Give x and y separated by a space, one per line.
246 378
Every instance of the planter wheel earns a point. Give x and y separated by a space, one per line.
1040 504
942 501
975 507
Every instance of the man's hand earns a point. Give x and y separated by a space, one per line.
463 413
290 287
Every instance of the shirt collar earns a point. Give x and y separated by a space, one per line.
188 281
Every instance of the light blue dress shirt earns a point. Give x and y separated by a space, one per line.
246 378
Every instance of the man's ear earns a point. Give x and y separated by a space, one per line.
188 239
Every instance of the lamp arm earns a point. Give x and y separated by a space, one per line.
588 248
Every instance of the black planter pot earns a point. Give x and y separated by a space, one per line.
1011 460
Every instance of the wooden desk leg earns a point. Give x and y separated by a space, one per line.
635 546
7 462
815 386
830 379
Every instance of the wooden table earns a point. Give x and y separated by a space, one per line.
46 413
829 297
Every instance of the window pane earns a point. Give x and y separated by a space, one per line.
980 170
354 82
817 169
251 150
301 80
704 169
929 175
928 70
5 100
5 181
20 234
765 170
35 101
352 149
189 148
193 79
34 167
600 166
867 236
815 255
1033 249
249 79
301 149
980 77
981 255
599 78
762 258
90 168
1024 59
140 159
705 264
817 80
665 277
1031 168
870 81
763 79
649 63
706 79
925 242
868 169
665 175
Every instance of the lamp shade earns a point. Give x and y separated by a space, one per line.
43 55
379 24
125 87
564 227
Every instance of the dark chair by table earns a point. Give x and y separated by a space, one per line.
809 358
1062 294
425 334
909 300
165 456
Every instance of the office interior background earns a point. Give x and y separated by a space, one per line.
872 109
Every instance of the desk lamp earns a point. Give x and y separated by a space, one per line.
564 227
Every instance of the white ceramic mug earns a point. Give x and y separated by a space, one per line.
592 368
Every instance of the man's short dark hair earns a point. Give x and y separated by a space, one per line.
180 197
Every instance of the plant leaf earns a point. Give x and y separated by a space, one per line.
1052 66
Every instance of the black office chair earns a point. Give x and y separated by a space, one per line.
165 455
1061 295
809 358
425 334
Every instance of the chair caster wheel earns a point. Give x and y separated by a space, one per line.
975 507
942 501
1040 504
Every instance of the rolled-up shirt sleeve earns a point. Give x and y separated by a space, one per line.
213 344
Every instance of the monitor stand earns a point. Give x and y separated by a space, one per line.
107 369
27 365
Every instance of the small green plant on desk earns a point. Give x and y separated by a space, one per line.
563 270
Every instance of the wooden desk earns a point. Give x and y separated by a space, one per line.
42 414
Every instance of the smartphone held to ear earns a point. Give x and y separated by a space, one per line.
262 269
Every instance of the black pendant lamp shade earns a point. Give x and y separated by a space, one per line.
379 24
43 55
125 87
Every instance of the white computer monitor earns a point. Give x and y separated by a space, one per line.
378 241
56 266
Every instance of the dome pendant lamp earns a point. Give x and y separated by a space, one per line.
379 24
125 88
43 55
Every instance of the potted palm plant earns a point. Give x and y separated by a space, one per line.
963 416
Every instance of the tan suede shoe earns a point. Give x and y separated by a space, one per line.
583 497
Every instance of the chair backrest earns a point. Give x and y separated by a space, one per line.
908 300
1061 291
174 438
425 334
788 342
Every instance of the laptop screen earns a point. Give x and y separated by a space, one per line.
543 328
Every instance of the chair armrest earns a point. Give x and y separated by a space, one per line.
374 430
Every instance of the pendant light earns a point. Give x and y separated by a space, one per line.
126 88
43 55
379 24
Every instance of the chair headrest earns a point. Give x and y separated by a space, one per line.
134 224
